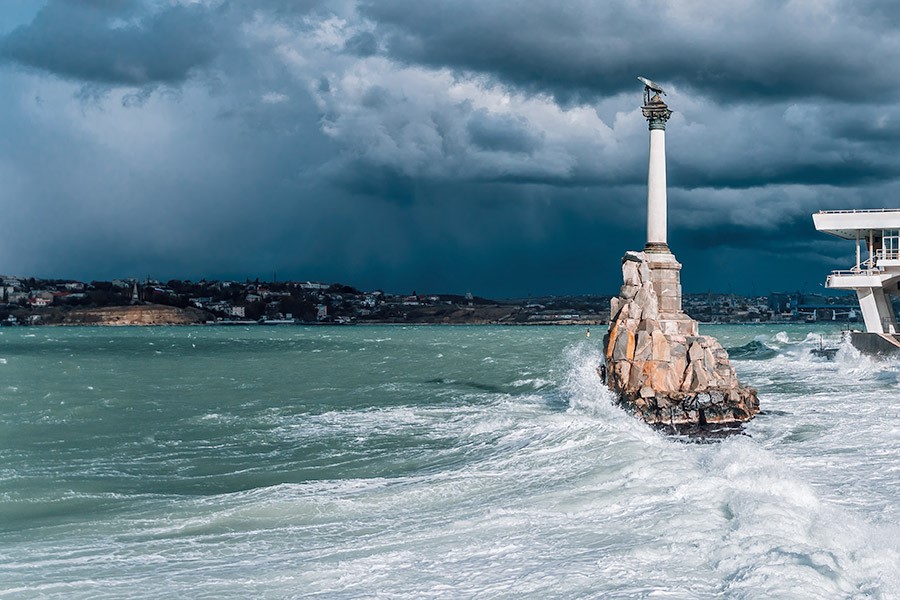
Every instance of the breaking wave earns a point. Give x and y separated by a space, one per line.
754 350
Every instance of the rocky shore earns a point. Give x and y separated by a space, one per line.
658 365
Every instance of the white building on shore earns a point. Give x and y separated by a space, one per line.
875 276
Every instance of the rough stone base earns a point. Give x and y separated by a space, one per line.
658 365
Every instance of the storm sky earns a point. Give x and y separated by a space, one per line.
443 145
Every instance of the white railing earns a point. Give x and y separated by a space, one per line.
870 265
866 267
858 210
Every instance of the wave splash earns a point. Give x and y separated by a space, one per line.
740 513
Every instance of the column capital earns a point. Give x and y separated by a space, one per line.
656 112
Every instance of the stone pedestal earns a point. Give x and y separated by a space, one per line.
665 274
661 369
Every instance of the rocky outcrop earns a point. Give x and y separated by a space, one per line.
144 314
659 366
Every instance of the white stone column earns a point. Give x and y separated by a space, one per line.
664 268
657 113
656 189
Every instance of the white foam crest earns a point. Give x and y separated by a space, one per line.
535 382
795 363
717 519
589 397
422 420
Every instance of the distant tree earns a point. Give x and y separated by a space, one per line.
340 288
106 297
301 308
254 310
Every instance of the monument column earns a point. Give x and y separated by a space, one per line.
664 268
657 113
657 363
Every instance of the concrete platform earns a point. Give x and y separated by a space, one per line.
876 344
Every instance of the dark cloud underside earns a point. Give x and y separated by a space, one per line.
589 48
114 42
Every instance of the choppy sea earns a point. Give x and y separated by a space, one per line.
431 462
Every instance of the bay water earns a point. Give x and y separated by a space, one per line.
441 462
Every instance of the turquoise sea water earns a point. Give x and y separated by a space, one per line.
454 462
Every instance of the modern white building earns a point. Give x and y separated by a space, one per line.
875 276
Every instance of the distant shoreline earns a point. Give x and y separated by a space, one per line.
30 301
166 315
600 325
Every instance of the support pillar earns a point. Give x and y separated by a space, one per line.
878 314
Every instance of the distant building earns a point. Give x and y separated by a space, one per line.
7 292
39 301
783 302
201 301
220 306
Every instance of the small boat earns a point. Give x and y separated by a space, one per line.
823 351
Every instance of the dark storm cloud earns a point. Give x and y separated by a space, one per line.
879 124
384 183
842 171
503 133
114 41
589 48
482 145
362 44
